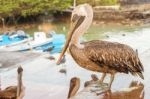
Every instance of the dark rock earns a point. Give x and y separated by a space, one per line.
63 71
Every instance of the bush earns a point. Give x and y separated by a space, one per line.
108 2
98 2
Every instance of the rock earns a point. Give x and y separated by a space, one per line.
123 34
1 65
63 70
51 58
107 36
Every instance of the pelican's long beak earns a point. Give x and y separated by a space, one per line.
66 46
76 22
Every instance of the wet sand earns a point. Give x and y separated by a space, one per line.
10 59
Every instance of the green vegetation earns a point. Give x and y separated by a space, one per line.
34 7
108 2
12 10
98 2
31 7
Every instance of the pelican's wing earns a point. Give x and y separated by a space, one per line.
114 55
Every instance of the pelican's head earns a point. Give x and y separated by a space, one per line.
81 19
74 86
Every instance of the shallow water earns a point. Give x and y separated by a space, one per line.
95 31
42 77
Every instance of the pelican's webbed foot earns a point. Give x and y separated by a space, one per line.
99 87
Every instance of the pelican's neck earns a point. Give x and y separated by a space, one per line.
74 87
85 11
19 83
76 41
76 38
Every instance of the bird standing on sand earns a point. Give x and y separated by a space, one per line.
97 55
14 92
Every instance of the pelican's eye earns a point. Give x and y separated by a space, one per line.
74 18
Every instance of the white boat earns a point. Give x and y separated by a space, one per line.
38 40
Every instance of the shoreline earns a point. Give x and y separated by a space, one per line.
127 15
103 23
123 15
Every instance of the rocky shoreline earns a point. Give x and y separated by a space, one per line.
124 15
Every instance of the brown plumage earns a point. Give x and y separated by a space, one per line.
115 56
107 57
97 55
14 92
74 86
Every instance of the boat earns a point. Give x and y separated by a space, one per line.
58 43
40 43
14 38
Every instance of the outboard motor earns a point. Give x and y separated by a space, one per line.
12 34
51 33
22 34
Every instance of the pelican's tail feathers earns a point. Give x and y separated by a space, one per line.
140 75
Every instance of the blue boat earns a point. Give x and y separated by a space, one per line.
13 38
41 43
56 45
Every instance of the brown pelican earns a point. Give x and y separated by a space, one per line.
14 92
97 55
74 86
134 91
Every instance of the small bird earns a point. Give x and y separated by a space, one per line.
74 86
94 78
134 91
14 92
97 55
